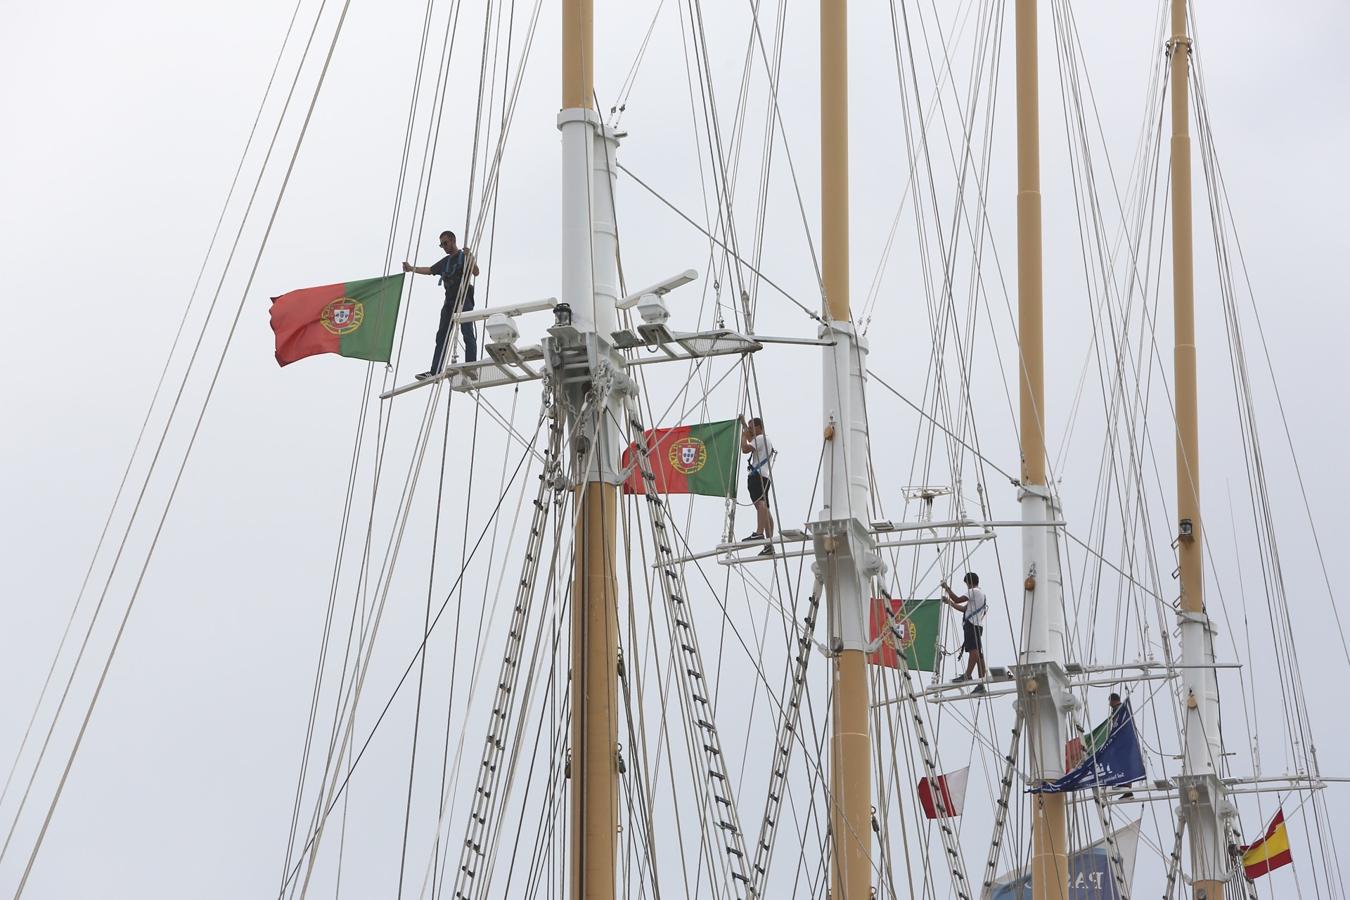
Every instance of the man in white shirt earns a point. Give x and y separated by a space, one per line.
758 478
972 605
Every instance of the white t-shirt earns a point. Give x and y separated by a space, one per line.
976 607
760 452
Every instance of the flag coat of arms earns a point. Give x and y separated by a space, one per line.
905 626
688 459
943 797
1270 852
355 318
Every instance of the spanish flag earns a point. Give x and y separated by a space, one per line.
1270 852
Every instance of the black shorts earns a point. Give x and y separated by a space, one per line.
974 637
759 487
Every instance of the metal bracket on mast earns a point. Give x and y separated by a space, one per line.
1208 816
846 559
1041 674
1201 791
581 364
844 546
1044 695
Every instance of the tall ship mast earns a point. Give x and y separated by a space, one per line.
1043 686
550 662
1206 813
590 290
845 552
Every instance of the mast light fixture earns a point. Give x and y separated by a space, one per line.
660 289
518 309
501 329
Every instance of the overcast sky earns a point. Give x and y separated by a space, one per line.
123 127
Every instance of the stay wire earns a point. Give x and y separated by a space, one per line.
383 424
341 786
154 399
37 846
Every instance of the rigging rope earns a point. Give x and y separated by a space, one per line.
145 422
131 602
718 800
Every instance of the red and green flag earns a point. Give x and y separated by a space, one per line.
1091 742
905 626
689 459
355 318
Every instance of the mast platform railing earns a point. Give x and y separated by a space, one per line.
510 364
728 550
1002 681
1167 789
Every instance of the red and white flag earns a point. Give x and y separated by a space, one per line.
951 788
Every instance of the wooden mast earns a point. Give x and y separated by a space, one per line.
1183 310
594 689
850 745
1043 683
1204 803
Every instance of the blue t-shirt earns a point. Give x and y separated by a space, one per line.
451 270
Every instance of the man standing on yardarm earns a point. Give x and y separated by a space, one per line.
450 269
972 606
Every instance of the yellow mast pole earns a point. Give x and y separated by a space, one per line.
1183 310
578 46
1204 802
850 747
1042 646
594 681
595 637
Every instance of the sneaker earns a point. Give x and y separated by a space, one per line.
767 551
754 536
960 678
979 689
425 375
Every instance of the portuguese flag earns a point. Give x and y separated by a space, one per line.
905 626
356 318
1094 740
690 459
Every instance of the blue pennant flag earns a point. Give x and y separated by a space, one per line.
1117 761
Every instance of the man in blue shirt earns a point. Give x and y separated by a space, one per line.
450 269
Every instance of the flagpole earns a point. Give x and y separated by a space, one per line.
1042 683
1204 802
590 289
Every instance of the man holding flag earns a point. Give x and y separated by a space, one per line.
758 479
450 269
972 606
